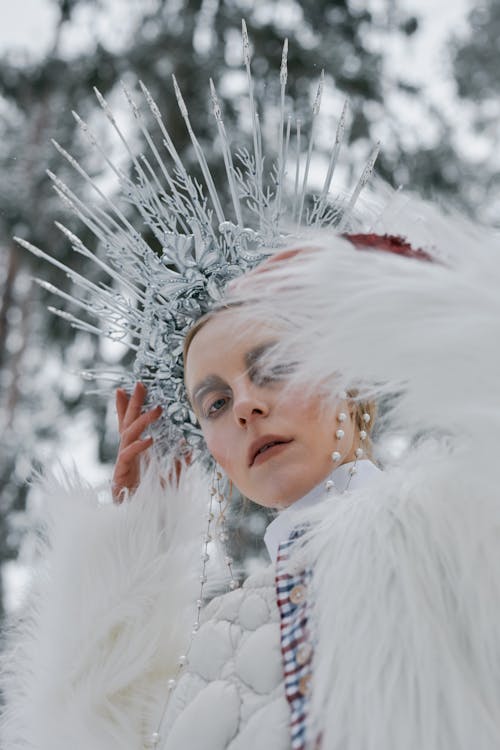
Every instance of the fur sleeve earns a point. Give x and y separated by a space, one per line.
406 608
106 618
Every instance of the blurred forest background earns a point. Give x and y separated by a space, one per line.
439 128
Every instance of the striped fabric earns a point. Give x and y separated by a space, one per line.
296 645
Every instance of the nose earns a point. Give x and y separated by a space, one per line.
249 403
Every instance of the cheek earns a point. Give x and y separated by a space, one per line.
312 415
218 442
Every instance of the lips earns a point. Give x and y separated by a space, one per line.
264 443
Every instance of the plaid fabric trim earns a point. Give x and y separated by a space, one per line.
296 647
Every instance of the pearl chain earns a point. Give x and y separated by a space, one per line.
216 495
359 452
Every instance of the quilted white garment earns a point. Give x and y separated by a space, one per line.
231 695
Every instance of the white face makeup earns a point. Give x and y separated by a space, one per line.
274 444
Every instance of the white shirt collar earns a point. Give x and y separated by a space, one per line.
282 526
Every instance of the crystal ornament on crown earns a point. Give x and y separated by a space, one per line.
152 299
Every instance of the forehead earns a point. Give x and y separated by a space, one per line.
220 346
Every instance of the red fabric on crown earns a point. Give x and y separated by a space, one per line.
389 243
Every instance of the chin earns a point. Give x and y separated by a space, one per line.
280 496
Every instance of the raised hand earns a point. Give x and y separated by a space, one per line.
131 424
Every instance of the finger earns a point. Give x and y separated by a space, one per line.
134 431
128 454
135 404
121 406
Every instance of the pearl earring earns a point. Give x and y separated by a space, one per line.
358 453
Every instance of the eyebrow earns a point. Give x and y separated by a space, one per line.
215 382
208 384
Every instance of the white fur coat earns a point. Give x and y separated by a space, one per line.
406 572
107 617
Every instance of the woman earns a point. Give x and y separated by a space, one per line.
384 591
375 623
282 450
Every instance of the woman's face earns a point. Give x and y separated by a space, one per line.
272 442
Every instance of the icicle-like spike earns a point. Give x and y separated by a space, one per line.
91 218
281 136
319 94
198 208
84 127
79 247
132 156
216 108
91 309
315 112
256 134
99 192
130 101
365 176
246 42
226 152
82 325
95 143
334 155
104 105
284 65
159 205
178 201
180 99
199 155
298 125
70 273
98 293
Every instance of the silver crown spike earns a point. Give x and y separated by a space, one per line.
298 126
315 112
78 303
226 152
176 197
137 164
365 176
104 105
280 175
75 322
80 248
284 65
84 128
91 182
199 154
319 94
92 219
257 141
337 145
246 42
196 207
71 274
130 100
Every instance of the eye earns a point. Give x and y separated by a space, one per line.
216 406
